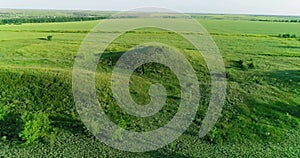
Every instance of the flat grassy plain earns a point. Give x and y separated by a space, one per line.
261 116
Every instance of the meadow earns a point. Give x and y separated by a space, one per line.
260 118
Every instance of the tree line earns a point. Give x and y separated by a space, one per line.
19 21
276 20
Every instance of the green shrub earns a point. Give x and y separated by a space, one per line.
214 136
49 38
4 111
293 36
117 135
287 35
36 126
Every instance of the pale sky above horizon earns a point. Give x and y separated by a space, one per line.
268 7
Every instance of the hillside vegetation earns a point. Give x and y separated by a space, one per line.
261 116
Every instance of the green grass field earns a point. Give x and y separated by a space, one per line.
261 116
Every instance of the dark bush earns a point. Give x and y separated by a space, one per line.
251 66
287 35
240 62
49 38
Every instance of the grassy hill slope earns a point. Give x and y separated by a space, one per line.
261 116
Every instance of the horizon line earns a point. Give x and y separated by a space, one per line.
208 13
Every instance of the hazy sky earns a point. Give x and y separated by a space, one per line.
275 7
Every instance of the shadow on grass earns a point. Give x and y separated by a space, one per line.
110 58
43 39
284 77
290 47
273 110
286 80
69 124
10 127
